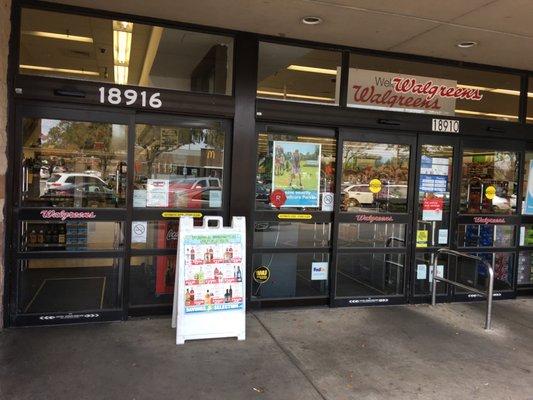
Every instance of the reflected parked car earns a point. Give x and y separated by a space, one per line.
87 194
67 180
195 192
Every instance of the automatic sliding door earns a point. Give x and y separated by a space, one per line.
372 227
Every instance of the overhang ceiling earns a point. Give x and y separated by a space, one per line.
503 28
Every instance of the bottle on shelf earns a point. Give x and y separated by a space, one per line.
33 236
61 235
40 235
239 274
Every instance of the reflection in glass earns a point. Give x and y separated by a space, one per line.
69 284
70 236
291 234
178 167
371 235
370 274
152 280
126 53
527 185
473 273
292 275
486 235
489 182
374 177
73 164
298 74
525 268
285 170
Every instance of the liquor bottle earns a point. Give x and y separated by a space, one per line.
230 297
48 234
169 281
234 273
230 253
33 236
201 276
187 297
226 296
239 274
61 236
210 251
192 254
191 294
40 236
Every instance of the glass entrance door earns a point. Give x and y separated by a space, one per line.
434 208
69 213
488 221
372 228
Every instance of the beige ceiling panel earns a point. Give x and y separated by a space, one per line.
275 17
432 9
493 48
512 16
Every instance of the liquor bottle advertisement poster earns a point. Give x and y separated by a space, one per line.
213 274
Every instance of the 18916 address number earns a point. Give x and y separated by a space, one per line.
129 97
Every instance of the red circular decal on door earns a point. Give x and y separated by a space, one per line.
278 198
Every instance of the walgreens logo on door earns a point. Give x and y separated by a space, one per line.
407 93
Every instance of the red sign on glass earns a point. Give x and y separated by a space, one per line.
278 198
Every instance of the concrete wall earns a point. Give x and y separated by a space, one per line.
5 30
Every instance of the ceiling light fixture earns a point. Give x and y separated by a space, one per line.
122 35
63 70
296 96
63 36
304 68
312 20
467 44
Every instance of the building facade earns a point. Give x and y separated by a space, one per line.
353 167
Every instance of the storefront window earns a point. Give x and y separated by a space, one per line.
374 177
152 280
424 272
525 268
474 273
178 167
371 235
486 235
390 84
434 190
298 74
124 53
292 275
73 164
70 236
370 274
489 182
291 234
527 186
69 284
301 169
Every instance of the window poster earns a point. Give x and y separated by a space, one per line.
432 207
157 192
213 275
529 197
296 171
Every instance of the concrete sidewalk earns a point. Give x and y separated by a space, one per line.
401 352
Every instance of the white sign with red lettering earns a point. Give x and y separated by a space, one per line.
407 93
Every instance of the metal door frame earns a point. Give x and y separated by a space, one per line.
372 136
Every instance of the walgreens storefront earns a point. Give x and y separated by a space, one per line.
352 169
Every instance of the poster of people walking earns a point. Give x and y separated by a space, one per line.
296 171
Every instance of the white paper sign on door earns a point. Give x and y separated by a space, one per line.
139 231
157 193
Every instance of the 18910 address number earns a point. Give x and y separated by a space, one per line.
129 97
